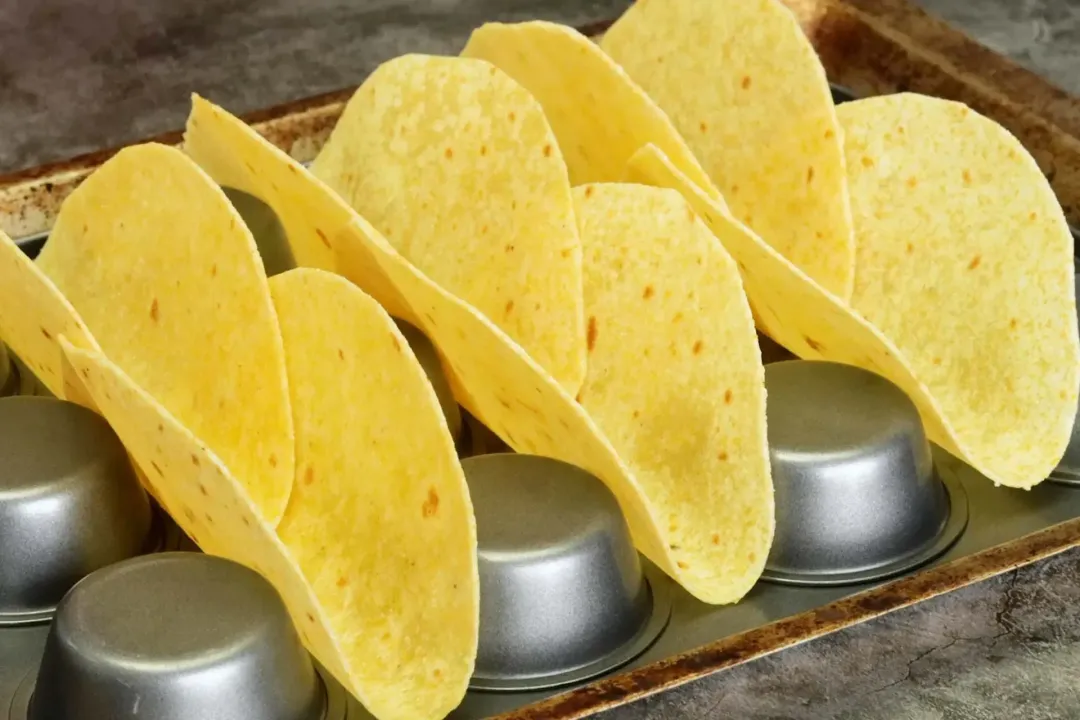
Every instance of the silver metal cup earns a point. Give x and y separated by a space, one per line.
857 497
841 94
1068 470
772 351
70 503
175 636
265 226
428 356
563 593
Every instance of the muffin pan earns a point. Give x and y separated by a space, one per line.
861 497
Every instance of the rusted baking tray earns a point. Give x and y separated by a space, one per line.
868 47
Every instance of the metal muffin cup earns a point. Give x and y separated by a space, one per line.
265 226
478 439
564 595
428 356
841 94
175 636
1068 470
857 496
70 503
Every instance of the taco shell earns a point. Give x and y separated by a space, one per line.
165 275
380 521
675 376
314 246
456 166
813 323
964 261
34 335
744 86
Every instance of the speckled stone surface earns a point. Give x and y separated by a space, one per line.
78 75
1043 35
1008 647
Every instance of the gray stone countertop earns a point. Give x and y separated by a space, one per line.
78 75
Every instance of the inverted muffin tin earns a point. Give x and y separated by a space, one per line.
853 539
564 595
861 497
857 495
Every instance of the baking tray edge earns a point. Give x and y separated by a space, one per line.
737 649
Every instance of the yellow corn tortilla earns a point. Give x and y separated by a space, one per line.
599 115
494 379
745 88
33 316
380 520
675 379
964 261
165 275
456 166
813 323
